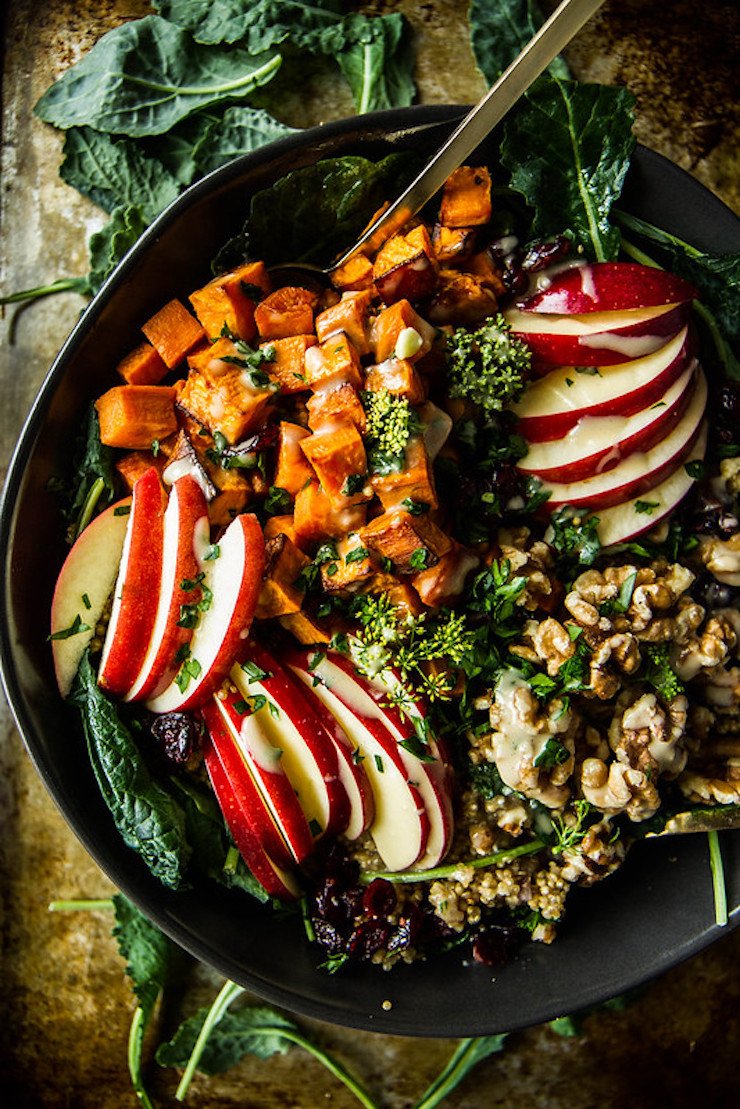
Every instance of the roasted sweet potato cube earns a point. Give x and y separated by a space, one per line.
413 485
351 567
316 518
287 367
134 464
442 583
404 598
305 628
292 470
279 525
335 362
405 268
391 322
399 377
142 366
466 197
185 459
357 273
230 300
453 245
482 266
462 298
279 593
338 457
342 404
287 311
221 395
134 416
412 543
351 315
173 333
235 490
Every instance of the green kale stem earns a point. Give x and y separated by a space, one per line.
228 993
63 285
449 869
135 1043
86 512
449 1077
90 905
718 879
326 1060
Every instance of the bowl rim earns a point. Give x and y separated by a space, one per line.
399 123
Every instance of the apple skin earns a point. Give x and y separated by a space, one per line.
253 747
242 812
235 580
551 407
433 779
637 473
609 287
185 527
401 825
310 757
598 339
90 570
137 588
573 458
623 522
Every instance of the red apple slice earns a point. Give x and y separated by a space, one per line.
610 287
256 744
432 777
599 443
597 338
137 588
626 520
351 771
239 811
400 829
309 756
186 532
638 472
553 405
233 580
83 587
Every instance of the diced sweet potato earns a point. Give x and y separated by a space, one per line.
221 395
235 490
231 299
405 267
279 525
350 315
185 459
287 311
357 273
338 456
287 368
414 484
403 597
466 197
462 298
316 518
335 362
350 569
279 593
412 543
305 628
481 265
442 583
142 366
453 245
134 464
337 405
399 377
391 322
292 470
133 416
173 332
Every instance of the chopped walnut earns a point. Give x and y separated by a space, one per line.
717 640
657 610
648 737
547 641
598 854
722 558
729 476
618 788
533 561
713 775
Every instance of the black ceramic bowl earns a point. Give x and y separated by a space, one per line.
655 912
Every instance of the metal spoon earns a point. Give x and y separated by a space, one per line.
554 34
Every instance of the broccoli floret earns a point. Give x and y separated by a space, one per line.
660 674
489 366
390 424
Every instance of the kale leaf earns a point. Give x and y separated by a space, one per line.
574 537
92 465
112 243
149 819
377 62
147 951
567 147
253 1030
466 1055
238 131
500 29
144 76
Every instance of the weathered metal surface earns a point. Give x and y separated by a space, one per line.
65 1003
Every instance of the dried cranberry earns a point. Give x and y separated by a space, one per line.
176 735
328 936
367 938
331 903
338 865
495 945
400 937
540 255
379 898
